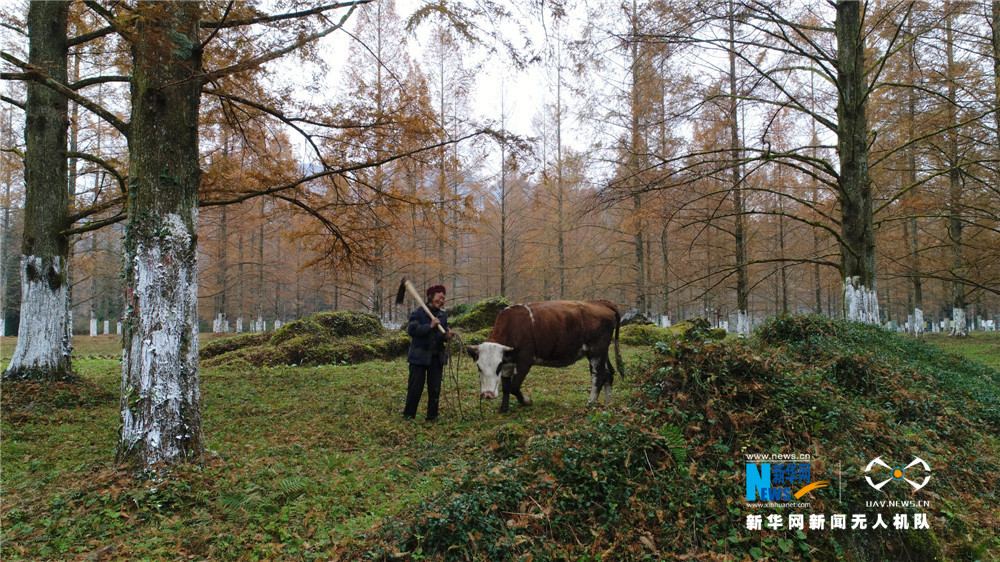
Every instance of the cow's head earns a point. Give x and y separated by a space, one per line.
493 361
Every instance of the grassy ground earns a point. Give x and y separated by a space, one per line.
97 347
978 346
303 460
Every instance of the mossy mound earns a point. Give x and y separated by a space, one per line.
695 329
664 476
477 338
226 344
339 324
482 315
459 309
327 338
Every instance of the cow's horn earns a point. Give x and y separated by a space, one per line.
507 349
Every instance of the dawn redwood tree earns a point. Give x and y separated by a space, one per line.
952 154
160 398
857 242
792 42
43 345
743 321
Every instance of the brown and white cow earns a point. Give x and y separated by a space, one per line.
551 334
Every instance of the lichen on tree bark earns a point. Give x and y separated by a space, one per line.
161 397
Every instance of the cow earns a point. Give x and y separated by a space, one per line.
550 334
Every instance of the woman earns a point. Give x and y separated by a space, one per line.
427 356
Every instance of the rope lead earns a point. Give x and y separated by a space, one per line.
454 367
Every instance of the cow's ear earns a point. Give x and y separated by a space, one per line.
473 351
510 354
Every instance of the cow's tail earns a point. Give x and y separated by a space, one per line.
618 353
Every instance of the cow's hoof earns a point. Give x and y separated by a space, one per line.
525 401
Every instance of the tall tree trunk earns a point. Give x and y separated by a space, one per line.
995 43
74 135
664 150
260 269
503 200
784 268
665 249
637 161
443 172
222 274
560 219
739 206
43 344
240 311
857 252
5 233
222 257
161 396
817 278
913 238
955 219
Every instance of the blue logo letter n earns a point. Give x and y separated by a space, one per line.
757 479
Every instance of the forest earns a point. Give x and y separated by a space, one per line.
809 176
686 159
743 159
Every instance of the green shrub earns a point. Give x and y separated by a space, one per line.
482 315
459 310
477 338
644 334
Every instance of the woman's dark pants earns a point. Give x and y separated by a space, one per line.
418 374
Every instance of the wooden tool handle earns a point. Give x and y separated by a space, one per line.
416 296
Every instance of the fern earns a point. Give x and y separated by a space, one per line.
235 501
675 442
293 485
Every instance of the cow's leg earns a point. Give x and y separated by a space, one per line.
524 400
520 372
609 378
505 402
596 378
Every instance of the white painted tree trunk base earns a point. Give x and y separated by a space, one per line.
44 336
860 302
161 392
959 324
744 324
220 325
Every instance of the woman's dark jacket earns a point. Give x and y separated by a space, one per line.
426 342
